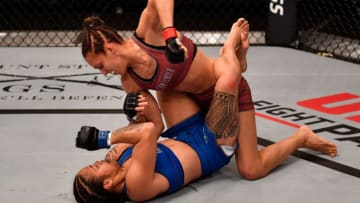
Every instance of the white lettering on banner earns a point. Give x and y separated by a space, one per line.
277 7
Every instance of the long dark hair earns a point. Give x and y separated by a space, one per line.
90 190
95 33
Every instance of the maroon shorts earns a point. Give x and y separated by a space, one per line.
245 99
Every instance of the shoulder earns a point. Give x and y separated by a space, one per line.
115 152
128 84
159 185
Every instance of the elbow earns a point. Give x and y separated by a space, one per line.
156 125
153 130
159 127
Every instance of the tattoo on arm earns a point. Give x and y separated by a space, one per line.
129 129
222 117
129 134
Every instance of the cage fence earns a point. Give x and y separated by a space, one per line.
326 27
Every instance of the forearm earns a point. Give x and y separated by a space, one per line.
151 111
141 173
132 134
165 11
91 138
148 116
144 105
144 137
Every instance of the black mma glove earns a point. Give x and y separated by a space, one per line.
130 103
91 138
173 51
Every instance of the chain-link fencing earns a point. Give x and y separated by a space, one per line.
326 27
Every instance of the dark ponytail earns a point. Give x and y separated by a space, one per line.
92 191
95 34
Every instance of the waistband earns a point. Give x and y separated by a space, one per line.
192 120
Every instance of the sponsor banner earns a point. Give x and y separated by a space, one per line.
29 86
282 22
334 117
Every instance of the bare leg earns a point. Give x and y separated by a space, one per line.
222 114
254 164
251 162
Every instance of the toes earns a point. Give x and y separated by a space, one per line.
244 25
333 153
240 21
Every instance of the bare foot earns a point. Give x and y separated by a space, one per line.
238 41
234 39
243 31
236 34
314 142
243 46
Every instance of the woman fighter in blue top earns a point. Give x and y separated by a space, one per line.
139 168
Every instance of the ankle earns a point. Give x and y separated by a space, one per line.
300 136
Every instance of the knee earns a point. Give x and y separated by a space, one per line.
228 81
250 171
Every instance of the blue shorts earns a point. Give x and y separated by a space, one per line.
195 132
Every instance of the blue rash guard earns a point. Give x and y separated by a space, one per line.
194 132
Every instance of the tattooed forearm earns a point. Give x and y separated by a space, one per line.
134 128
130 134
222 117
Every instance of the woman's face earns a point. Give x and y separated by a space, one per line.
101 169
110 62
